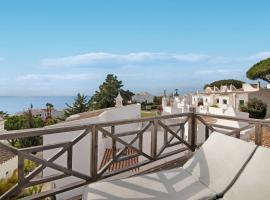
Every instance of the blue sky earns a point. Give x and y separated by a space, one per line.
60 47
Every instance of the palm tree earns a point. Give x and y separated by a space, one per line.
49 110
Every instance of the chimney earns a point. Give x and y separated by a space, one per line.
118 100
2 123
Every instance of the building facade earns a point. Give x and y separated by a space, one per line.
229 96
143 97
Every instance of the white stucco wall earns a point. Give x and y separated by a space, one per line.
81 151
7 168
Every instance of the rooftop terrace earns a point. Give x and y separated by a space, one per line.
167 148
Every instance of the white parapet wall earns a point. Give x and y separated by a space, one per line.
81 151
7 168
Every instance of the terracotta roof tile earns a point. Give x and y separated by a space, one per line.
108 154
5 155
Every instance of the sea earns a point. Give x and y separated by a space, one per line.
14 104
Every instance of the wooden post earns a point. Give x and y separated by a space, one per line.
182 131
192 132
154 138
141 142
113 141
94 152
69 157
20 170
258 134
165 137
206 132
237 135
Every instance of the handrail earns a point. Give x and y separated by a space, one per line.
69 128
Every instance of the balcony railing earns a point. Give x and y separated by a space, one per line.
172 127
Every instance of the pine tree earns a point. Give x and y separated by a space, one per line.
108 91
80 105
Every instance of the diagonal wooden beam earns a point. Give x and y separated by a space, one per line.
57 155
114 159
56 167
169 141
174 134
205 123
124 143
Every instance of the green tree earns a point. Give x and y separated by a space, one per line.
27 120
108 91
236 83
260 70
256 108
3 114
158 100
80 105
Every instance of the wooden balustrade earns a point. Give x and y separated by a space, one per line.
173 135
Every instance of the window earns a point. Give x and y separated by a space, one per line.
205 100
225 101
241 102
217 100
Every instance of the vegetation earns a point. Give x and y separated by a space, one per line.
260 70
256 108
108 91
215 106
236 83
49 107
29 166
3 114
148 114
6 184
80 105
23 122
157 100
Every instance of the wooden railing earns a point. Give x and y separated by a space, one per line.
171 126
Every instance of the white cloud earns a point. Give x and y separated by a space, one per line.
103 59
218 72
262 55
55 77
109 59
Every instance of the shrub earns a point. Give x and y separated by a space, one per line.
215 106
256 108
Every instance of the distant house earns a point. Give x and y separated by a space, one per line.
44 113
229 96
143 97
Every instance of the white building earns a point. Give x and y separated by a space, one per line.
229 96
44 113
81 151
177 104
143 97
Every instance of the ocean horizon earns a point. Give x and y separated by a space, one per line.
14 104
